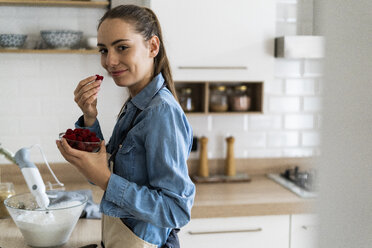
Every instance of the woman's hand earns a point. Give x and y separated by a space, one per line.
86 98
93 166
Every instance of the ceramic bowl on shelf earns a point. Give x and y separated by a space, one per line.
13 41
92 42
61 39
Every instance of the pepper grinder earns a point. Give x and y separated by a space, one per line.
230 160
203 161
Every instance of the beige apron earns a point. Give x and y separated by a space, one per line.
115 234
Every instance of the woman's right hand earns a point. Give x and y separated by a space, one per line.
86 98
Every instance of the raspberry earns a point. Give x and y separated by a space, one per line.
99 77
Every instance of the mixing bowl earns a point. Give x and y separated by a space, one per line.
61 39
12 40
51 227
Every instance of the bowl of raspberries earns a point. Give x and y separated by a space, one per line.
82 139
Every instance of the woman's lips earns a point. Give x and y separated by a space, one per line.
117 73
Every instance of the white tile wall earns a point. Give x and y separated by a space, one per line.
36 99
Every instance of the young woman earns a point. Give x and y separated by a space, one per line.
148 193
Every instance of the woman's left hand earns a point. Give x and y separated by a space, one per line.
94 166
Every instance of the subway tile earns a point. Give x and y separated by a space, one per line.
8 87
234 122
312 104
298 152
264 122
37 87
19 65
300 121
39 126
56 106
310 139
300 86
274 87
283 139
8 106
263 153
313 68
28 106
251 140
199 124
287 68
284 104
8 126
285 12
285 28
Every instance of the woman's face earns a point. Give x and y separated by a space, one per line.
126 56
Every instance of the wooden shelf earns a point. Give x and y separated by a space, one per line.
60 3
51 51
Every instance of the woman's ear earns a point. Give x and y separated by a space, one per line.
154 43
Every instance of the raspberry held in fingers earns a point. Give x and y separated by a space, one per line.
99 77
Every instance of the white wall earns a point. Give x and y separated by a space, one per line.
346 164
36 101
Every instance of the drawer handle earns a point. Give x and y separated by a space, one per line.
308 228
225 231
212 67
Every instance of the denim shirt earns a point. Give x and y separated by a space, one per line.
150 188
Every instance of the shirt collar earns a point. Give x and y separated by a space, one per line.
143 98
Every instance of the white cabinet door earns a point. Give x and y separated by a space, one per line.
218 39
248 232
304 228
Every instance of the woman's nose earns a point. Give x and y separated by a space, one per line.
112 58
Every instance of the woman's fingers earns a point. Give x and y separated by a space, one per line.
87 91
64 151
83 83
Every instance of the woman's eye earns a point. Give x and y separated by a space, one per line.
122 48
102 50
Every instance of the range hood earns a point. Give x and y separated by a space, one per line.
299 46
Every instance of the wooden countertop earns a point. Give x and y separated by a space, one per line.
260 196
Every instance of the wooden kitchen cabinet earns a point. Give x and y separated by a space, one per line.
304 228
218 40
237 232
201 95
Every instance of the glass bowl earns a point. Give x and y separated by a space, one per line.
82 145
51 227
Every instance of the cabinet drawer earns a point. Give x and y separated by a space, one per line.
304 228
252 232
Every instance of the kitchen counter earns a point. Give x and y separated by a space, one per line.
260 196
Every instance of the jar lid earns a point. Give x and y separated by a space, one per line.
220 88
241 87
186 90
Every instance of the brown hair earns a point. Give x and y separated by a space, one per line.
146 23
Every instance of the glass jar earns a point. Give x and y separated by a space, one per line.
186 101
240 99
218 99
6 191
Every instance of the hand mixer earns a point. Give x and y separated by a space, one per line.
31 173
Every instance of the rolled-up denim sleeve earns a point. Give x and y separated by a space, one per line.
94 128
168 199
